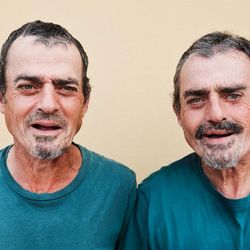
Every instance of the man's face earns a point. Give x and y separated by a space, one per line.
215 107
44 104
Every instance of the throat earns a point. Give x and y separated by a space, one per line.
232 183
44 176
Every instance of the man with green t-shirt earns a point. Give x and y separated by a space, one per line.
54 193
202 201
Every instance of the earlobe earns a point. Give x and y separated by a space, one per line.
85 108
177 113
179 121
2 103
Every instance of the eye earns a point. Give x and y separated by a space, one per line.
67 90
234 96
27 88
195 100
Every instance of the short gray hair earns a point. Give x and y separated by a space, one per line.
207 46
47 33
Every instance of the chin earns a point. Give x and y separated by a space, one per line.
48 153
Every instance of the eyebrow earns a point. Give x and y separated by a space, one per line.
220 90
62 82
39 80
196 92
228 90
28 78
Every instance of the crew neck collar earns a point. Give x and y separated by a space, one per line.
240 203
11 182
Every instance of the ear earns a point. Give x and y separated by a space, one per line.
178 116
85 107
2 103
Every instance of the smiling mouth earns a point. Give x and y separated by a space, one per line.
45 128
217 135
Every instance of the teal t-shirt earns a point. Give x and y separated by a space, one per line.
90 213
179 209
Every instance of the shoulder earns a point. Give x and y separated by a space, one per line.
106 166
172 176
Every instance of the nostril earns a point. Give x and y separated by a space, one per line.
215 114
48 105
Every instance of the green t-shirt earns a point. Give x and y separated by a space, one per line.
90 213
179 209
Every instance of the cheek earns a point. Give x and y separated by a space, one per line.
16 113
239 114
191 120
74 114
74 124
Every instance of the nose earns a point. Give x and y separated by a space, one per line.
48 99
215 111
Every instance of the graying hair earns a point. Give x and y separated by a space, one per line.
49 34
207 46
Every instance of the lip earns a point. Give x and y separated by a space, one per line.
218 132
48 128
217 137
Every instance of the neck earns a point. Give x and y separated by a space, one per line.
44 176
233 183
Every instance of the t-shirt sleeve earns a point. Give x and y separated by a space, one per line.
136 237
127 216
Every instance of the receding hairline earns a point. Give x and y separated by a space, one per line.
48 42
198 56
25 41
176 103
216 53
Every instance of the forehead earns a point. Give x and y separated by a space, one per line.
30 54
220 70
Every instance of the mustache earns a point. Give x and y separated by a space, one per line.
228 126
39 116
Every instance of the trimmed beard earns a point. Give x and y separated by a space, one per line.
47 151
220 156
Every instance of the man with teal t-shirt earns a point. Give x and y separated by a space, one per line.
54 193
202 201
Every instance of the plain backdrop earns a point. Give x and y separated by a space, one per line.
133 48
